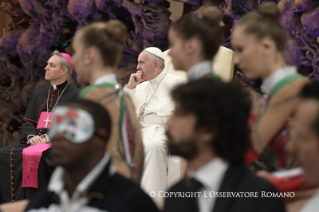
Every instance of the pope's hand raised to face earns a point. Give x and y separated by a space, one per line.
135 79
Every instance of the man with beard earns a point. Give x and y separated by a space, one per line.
209 128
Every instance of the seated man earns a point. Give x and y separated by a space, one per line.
153 107
304 142
37 117
209 128
85 180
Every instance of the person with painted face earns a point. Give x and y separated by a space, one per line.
259 41
215 146
85 179
194 41
21 161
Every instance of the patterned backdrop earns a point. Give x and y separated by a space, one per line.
40 26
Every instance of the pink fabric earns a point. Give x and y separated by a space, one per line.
30 164
43 117
68 59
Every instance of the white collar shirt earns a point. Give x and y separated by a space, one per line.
109 78
210 176
271 81
200 70
78 199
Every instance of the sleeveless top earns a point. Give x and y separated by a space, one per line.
125 143
277 144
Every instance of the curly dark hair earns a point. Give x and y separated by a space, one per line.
220 107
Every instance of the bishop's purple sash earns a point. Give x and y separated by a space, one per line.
32 155
30 165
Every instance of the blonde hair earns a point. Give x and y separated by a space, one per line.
265 22
108 38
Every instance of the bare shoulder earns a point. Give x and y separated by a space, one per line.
291 89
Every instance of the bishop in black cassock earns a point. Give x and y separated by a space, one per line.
43 101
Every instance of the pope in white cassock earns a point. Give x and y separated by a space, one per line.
149 89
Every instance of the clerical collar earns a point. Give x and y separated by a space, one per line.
158 79
60 86
271 81
200 70
110 78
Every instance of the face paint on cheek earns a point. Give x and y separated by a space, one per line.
74 124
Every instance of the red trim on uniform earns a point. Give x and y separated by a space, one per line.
291 183
253 118
250 156
130 137
11 174
57 98
188 168
43 104
30 120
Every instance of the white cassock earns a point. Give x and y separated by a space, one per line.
154 95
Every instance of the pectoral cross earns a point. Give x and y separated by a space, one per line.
47 121
142 112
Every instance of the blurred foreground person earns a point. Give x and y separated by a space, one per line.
215 145
97 50
304 142
194 41
85 180
259 41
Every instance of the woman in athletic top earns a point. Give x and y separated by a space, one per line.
194 41
97 50
259 41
